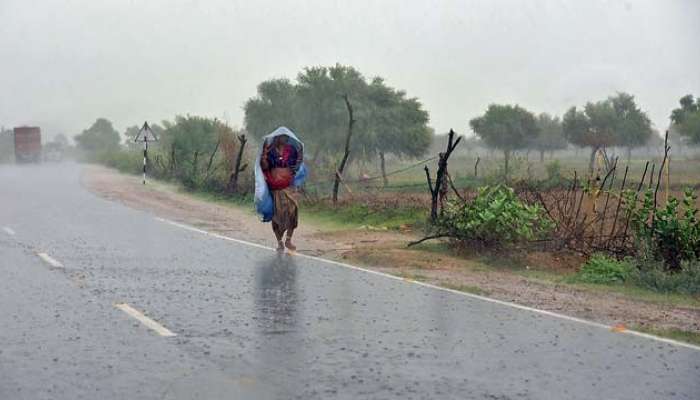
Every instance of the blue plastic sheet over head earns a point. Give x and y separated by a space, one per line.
263 199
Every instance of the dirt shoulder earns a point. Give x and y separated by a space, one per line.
386 251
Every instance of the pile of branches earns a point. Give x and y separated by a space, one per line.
594 215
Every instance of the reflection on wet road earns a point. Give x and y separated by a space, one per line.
251 323
276 295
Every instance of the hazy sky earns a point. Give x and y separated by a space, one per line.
65 63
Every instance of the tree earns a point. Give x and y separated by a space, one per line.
339 171
394 125
312 106
550 136
632 127
592 127
193 143
237 166
686 119
275 105
131 132
507 128
322 98
615 121
386 120
100 136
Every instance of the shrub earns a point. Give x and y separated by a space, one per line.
495 216
649 274
602 269
669 234
125 161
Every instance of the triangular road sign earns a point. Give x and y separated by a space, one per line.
146 134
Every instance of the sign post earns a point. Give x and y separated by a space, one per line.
145 135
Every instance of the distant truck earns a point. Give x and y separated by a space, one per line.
27 144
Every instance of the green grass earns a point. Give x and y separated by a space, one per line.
642 294
675 334
498 262
356 216
461 166
603 269
219 198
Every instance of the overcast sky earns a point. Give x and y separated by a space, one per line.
65 63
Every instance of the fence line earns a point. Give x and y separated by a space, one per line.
372 178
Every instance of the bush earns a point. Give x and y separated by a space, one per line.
602 269
649 274
669 234
197 152
496 216
122 160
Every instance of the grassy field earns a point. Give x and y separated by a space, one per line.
683 172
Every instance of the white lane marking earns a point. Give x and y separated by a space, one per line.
8 230
151 324
474 296
216 235
52 262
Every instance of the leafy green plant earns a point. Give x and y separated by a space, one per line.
495 216
671 233
648 274
602 269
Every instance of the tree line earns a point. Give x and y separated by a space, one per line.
615 121
344 117
318 106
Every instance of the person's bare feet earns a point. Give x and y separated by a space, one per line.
289 245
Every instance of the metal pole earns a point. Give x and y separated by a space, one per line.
145 156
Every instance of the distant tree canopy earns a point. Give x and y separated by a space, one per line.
616 121
507 128
633 127
387 121
132 131
686 119
550 136
100 136
192 139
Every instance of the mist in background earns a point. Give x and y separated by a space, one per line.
65 63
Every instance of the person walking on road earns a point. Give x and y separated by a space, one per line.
281 165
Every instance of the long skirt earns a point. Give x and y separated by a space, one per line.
286 214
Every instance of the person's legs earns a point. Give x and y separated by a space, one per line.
278 234
288 243
285 218
292 223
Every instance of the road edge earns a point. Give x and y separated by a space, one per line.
616 329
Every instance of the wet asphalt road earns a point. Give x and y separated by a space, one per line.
252 324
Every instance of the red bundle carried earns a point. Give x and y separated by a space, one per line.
279 178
